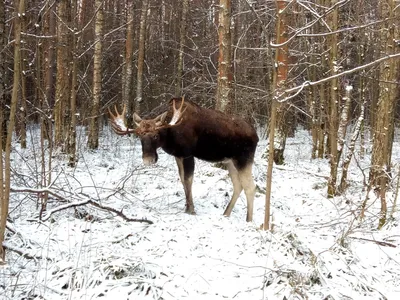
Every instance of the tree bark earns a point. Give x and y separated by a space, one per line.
182 35
128 71
5 179
279 80
93 138
71 149
3 109
224 85
379 176
62 95
282 61
334 101
141 54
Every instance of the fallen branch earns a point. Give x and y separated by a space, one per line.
24 254
74 204
303 170
380 243
95 204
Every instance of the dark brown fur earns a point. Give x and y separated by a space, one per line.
208 135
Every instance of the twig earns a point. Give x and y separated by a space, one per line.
96 204
24 254
305 171
381 243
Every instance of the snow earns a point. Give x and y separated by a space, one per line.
318 247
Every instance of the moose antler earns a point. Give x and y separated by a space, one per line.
178 113
117 122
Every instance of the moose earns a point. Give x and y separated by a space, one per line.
191 131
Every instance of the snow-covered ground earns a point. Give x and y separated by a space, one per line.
318 248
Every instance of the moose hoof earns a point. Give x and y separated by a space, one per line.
190 211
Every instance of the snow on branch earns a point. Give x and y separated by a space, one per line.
75 204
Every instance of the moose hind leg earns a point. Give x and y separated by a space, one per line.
186 170
237 187
246 179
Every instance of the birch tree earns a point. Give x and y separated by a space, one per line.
224 85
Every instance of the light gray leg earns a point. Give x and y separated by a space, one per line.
246 179
237 187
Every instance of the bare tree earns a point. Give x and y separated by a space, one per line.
71 149
128 70
141 53
224 86
93 138
281 65
62 95
279 84
5 175
3 43
182 35
333 99
379 176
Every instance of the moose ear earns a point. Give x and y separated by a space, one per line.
161 118
137 119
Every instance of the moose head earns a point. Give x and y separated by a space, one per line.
149 131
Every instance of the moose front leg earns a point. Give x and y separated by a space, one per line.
186 170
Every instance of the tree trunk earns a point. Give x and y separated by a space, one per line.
334 100
62 82
224 87
71 149
22 109
5 180
141 53
127 76
379 176
93 139
182 35
281 63
3 102
346 162
279 80
344 118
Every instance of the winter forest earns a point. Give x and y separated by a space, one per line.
81 216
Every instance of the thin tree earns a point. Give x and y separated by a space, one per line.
5 178
141 54
282 62
379 176
71 149
22 107
333 99
3 43
128 69
93 138
182 35
279 84
224 85
63 81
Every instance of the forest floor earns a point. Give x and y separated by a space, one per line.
318 248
